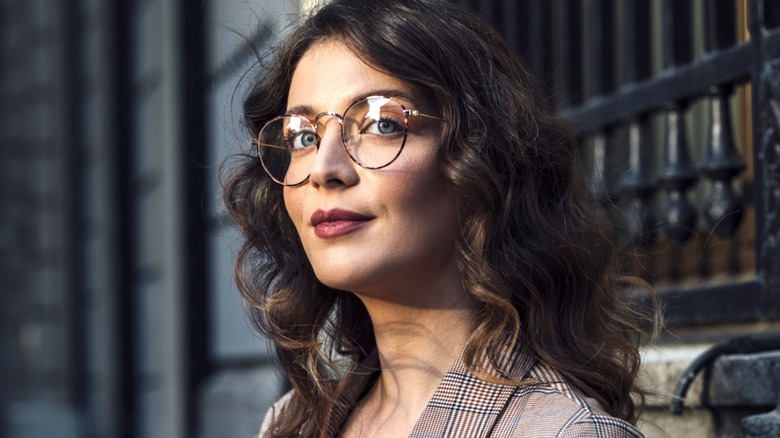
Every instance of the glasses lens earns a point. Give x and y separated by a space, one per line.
374 131
287 147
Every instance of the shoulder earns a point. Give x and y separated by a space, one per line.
550 407
600 426
272 412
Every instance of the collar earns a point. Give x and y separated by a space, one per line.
460 391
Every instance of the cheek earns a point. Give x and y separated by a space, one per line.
293 203
425 197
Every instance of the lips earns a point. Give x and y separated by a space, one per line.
337 222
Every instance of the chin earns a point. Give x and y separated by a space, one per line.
337 279
335 284
338 272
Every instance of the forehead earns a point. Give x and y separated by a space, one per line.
330 76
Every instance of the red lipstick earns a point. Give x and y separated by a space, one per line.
337 222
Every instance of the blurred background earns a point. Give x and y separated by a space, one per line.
118 312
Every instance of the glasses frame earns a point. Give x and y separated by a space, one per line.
316 125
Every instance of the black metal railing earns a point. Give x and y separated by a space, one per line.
636 80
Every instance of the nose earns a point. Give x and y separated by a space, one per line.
332 166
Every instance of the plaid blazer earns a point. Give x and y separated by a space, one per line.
465 406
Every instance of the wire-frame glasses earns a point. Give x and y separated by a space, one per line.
373 132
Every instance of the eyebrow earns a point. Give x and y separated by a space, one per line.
403 96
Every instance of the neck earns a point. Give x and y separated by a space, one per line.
416 347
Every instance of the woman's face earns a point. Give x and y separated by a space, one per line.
390 232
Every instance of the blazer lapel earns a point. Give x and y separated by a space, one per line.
464 405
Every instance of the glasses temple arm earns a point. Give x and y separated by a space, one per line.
417 113
257 143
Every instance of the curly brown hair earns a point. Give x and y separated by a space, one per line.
536 252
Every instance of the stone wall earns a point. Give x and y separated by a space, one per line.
735 386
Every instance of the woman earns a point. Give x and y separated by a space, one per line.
419 246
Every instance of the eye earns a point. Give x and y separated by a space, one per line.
302 140
383 126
